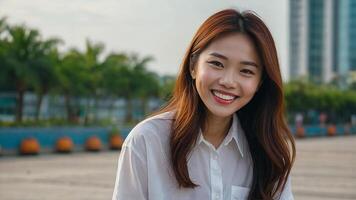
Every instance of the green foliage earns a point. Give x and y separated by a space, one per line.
303 96
31 63
25 63
167 86
115 74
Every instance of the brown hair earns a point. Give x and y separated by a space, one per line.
271 144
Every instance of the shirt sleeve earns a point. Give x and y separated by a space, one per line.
131 178
287 191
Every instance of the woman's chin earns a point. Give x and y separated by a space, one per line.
221 113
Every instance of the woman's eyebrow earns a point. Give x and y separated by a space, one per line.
218 55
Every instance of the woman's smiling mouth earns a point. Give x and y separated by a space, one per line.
223 97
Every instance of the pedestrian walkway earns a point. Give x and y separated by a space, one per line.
324 169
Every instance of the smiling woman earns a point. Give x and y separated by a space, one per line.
226 75
223 134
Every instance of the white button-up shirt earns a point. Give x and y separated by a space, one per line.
144 169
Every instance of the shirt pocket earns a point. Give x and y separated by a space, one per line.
239 193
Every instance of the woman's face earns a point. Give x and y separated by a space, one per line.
227 74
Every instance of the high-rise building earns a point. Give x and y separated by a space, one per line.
322 39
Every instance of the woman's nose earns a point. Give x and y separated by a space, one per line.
228 79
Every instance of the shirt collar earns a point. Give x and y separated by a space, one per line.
235 133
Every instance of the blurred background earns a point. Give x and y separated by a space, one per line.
74 74
113 62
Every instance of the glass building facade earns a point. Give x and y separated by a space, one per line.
315 35
295 22
328 48
352 34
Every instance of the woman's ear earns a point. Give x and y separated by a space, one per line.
193 59
192 72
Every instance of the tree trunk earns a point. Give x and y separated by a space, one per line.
87 111
96 107
68 108
128 117
20 88
38 105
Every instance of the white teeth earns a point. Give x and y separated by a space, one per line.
223 96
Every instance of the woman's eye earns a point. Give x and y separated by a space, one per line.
246 71
216 63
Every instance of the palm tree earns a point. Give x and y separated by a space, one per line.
115 76
22 54
46 76
78 76
72 80
147 84
25 61
4 82
143 84
93 66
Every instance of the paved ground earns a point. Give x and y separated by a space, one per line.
325 169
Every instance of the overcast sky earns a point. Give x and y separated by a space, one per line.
159 28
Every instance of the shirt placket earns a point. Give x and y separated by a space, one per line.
215 176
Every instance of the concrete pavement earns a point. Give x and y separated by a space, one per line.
325 168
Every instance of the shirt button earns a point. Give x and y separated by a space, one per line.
215 157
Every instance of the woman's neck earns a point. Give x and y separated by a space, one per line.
216 129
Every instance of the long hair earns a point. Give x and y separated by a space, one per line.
270 141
